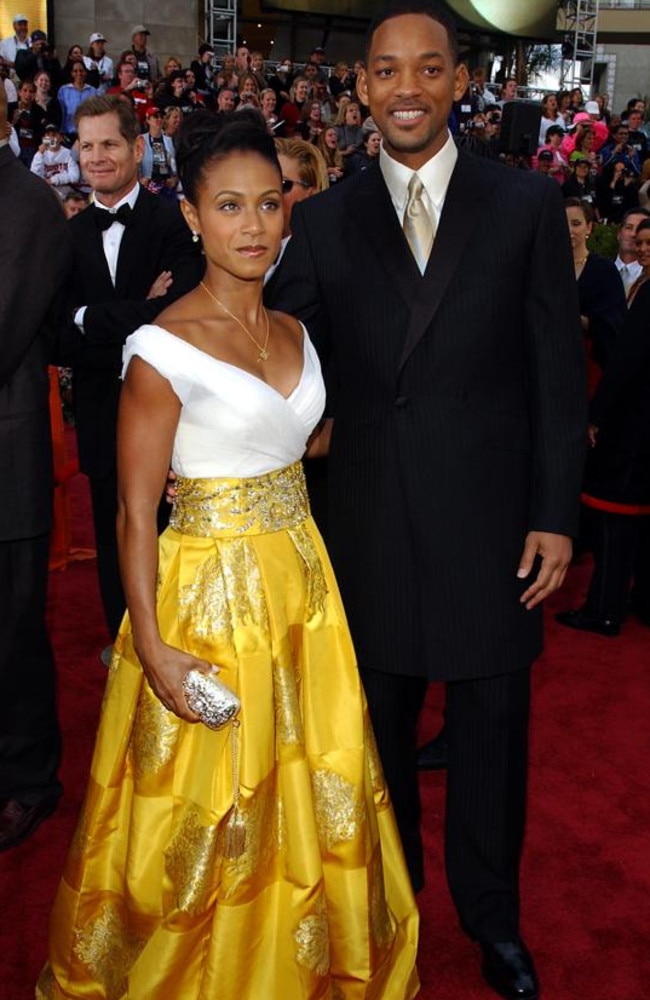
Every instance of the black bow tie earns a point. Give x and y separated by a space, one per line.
104 218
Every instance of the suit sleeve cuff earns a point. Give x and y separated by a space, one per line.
79 318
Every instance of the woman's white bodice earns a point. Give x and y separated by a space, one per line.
232 424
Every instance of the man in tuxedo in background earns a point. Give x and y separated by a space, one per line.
442 289
133 255
36 254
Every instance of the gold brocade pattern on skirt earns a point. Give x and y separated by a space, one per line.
151 904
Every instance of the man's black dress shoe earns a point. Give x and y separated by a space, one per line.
508 968
588 623
433 755
17 822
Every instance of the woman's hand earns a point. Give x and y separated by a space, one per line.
592 434
165 669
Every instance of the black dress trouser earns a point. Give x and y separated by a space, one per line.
486 728
29 730
103 492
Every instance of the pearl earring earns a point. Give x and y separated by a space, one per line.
195 236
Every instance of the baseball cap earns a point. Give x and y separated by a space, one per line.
96 37
50 127
319 49
139 28
39 36
591 108
152 109
545 154
20 17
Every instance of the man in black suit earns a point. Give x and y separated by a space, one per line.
35 258
133 256
456 456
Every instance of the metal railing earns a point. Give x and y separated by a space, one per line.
625 4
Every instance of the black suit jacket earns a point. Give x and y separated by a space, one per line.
35 259
618 468
460 410
157 240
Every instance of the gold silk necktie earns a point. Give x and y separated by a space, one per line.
417 225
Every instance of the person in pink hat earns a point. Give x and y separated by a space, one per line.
589 118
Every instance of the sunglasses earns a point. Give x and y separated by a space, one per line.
287 185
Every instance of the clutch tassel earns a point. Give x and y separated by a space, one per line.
235 833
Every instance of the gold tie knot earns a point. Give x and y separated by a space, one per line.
414 204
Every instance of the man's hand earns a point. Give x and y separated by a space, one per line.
170 488
160 285
318 445
555 551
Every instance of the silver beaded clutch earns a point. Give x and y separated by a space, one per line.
212 701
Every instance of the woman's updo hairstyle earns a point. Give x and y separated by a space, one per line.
584 206
204 138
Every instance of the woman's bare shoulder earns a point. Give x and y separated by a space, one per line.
288 324
181 315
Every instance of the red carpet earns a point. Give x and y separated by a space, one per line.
586 872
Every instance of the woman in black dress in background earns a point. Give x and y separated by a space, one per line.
600 289
617 480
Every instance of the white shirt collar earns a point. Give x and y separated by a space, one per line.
435 175
128 199
632 267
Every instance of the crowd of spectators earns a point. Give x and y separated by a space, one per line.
596 155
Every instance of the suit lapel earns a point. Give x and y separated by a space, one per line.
91 249
467 188
373 210
129 261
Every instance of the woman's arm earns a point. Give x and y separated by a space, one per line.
148 417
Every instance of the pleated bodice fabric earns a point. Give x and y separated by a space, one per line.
232 423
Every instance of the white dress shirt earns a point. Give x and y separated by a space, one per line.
112 239
628 272
435 175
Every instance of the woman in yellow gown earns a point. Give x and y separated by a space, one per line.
260 861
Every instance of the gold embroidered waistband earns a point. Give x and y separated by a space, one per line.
208 508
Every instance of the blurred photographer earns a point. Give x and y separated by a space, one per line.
619 150
480 136
55 162
481 98
37 59
133 86
617 191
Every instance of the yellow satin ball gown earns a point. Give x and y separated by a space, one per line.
256 862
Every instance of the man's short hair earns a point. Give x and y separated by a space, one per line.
399 8
95 107
635 211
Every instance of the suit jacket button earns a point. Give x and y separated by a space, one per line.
401 402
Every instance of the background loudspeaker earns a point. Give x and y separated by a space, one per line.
520 122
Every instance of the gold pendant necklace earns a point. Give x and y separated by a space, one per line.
262 348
